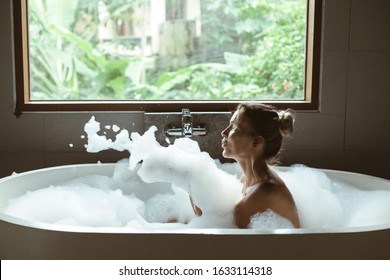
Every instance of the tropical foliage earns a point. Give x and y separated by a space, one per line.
257 52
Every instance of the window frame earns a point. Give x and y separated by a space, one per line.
24 104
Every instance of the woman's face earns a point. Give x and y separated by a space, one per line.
237 141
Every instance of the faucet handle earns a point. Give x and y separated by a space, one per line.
185 112
186 116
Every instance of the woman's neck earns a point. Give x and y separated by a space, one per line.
255 171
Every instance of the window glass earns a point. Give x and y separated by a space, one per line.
142 50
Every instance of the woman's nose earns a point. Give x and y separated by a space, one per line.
223 132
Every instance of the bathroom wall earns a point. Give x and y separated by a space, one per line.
350 132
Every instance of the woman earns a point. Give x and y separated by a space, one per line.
254 138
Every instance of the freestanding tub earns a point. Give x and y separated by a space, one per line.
21 239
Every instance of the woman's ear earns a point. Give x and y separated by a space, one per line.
258 141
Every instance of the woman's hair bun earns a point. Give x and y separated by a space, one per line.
286 122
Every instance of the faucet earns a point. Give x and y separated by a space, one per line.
186 123
187 128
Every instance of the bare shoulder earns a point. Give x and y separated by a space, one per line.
272 194
260 199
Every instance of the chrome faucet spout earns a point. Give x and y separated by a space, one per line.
186 121
187 128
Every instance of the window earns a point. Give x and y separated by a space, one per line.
162 55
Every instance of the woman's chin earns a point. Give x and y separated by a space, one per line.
225 154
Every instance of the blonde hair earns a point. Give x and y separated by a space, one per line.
270 123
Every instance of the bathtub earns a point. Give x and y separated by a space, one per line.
21 239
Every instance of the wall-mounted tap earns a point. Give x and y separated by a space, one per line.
187 127
186 123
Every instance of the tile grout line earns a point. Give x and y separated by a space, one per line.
347 77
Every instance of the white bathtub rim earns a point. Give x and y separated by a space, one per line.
339 172
112 165
166 230
113 230
40 170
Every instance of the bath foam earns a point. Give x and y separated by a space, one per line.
196 174
181 164
374 208
269 220
78 205
170 207
314 195
162 183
